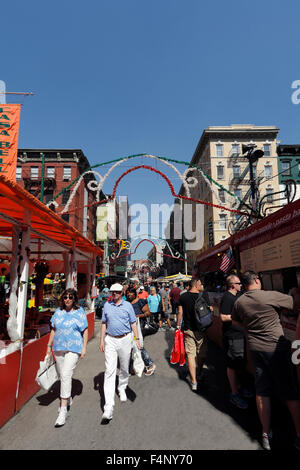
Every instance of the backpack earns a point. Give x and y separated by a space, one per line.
203 314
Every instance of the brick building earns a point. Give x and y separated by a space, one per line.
45 177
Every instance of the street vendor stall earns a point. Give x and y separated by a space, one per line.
34 240
177 277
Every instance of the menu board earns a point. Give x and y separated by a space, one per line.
281 253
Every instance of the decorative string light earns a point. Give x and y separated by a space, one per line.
187 182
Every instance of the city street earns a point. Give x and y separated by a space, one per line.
161 411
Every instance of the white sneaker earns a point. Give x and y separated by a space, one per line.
266 440
62 416
107 416
194 386
123 396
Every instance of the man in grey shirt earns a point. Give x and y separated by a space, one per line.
256 311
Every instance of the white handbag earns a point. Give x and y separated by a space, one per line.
47 375
138 363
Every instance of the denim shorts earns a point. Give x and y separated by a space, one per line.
274 372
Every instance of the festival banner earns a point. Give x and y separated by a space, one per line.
9 135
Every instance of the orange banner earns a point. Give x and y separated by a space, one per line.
9 134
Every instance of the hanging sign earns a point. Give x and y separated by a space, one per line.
9 134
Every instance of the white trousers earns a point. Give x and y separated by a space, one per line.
115 348
65 364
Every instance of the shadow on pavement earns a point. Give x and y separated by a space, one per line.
215 389
99 383
54 392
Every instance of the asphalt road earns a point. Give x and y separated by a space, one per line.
161 411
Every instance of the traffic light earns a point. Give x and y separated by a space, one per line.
123 244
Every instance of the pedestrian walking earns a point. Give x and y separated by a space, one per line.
142 293
234 344
68 339
174 298
118 320
195 342
256 311
154 303
166 308
141 309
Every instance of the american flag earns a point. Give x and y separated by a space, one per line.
227 260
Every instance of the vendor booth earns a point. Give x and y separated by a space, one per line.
41 254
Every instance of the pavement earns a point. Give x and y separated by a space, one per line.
161 412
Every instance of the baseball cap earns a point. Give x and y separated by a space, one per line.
116 288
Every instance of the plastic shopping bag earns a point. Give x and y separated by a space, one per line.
138 363
178 351
47 375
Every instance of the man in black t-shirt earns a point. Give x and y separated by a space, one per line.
233 343
195 342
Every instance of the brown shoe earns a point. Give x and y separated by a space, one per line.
151 370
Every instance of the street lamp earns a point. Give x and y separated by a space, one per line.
252 156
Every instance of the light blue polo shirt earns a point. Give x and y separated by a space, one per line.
118 318
68 330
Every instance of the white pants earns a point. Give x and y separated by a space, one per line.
115 348
65 363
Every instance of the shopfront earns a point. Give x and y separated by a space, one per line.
41 255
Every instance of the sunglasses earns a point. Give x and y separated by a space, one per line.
116 292
239 283
71 297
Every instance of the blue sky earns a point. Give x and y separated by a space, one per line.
120 77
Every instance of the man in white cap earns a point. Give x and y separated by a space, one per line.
118 319
142 293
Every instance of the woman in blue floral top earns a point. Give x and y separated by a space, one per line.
68 339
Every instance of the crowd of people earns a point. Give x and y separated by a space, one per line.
249 315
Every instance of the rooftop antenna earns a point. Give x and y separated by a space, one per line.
3 92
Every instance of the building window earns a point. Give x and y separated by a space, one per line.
19 173
267 150
65 196
219 148
50 172
236 171
221 195
286 168
238 192
67 173
269 192
223 222
34 172
220 172
235 150
268 171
